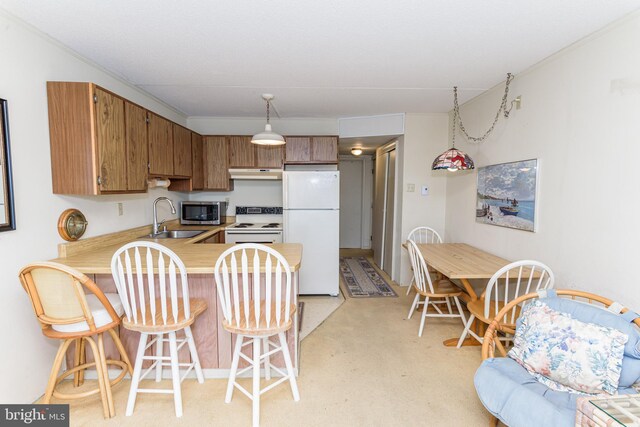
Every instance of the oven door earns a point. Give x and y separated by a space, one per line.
199 213
265 238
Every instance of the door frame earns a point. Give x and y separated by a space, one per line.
384 149
366 224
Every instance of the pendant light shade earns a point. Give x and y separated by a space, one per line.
268 137
453 160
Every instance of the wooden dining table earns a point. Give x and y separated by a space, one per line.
463 262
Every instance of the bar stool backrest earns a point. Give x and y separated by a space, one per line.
241 291
57 295
146 276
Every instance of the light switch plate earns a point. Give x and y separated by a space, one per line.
424 190
411 188
120 209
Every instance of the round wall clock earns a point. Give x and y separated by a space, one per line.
72 224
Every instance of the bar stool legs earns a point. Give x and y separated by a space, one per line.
175 344
261 352
101 364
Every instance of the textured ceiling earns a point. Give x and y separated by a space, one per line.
327 58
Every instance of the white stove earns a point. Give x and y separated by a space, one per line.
276 226
256 225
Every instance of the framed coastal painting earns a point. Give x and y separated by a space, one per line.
507 195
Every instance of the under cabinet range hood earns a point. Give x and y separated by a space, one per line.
260 174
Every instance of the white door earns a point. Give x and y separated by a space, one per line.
351 215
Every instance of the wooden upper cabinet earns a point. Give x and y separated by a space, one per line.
324 149
216 165
136 137
242 153
269 156
160 146
312 150
298 149
112 168
197 162
181 151
87 129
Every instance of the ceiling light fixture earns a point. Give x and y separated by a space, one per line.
454 159
356 151
268 137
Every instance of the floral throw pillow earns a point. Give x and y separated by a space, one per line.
566 354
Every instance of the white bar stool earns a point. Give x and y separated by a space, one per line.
256 311
149 314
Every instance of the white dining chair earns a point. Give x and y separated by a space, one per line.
510 282
152 283
422 235
434 294
258 302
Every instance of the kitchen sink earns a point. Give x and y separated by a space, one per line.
175 234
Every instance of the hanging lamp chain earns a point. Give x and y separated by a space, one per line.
502 109
268 111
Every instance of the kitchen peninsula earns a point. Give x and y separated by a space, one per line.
92 257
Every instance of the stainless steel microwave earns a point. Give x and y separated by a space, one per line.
203 213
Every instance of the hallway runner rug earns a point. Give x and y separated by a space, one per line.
362 280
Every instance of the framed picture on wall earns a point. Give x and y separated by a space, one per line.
506 195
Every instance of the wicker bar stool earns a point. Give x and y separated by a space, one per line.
67 313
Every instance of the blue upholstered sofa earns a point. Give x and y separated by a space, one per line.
517 399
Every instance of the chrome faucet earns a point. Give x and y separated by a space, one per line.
156 225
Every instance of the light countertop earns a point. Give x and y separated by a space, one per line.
199 258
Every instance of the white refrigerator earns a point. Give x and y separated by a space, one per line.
311 216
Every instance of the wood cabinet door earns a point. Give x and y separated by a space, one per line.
181 151
324 149
112 169
298 149
216 167
197 164
241 152
269 156
136 137
160 146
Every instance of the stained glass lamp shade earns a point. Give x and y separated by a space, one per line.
453 160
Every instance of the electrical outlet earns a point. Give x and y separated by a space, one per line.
424 190
120 209
411 188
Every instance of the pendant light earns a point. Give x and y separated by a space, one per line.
268 137
454 159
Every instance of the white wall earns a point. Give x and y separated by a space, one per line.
30 59
251 126
245 193
580 117
426 136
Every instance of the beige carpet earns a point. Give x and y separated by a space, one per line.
364 366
